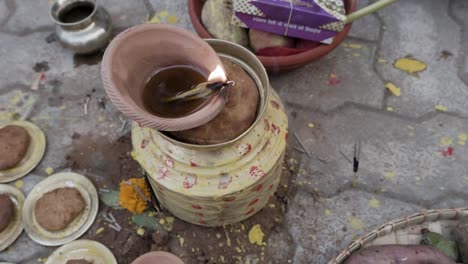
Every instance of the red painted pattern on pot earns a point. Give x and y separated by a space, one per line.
224 181
256 172
243 148
267 124
144 143
275 129
275 104
162 173
190 180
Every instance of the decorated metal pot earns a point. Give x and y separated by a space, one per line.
220 184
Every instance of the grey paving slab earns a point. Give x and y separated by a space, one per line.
366 28
400 158
322 229
4 12
459 11
172 12
423 29
345 75
21 53
28 16
125 13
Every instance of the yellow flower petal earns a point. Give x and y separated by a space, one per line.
410 65
172 19
355 46
256 235
393 88
441 108
446 141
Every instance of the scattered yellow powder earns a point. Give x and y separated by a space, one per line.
130 199
374 203
154 19
446 141
355 46
327 212
167 223
172 19
181 241
140 231
462 137
99 231
49 171
311 125
389 108
380 60
355 223
390 175
19 184
163 14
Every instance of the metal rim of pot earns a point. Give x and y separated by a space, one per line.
260 77
61 6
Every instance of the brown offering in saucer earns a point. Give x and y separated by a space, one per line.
14 143
237 115
6 211
78 261
55 210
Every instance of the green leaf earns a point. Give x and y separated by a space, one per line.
146 221
448 247
111 199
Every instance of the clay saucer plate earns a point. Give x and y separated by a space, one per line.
36 150
159 257
79 225
88 250
14 229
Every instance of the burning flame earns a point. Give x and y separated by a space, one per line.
218 74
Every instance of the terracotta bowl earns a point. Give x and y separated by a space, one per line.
138 52
279 63
158 257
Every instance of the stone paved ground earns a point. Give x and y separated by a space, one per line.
403 168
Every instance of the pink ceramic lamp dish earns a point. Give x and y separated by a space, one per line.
139 52
158 257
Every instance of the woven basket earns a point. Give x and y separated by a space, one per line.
406 231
